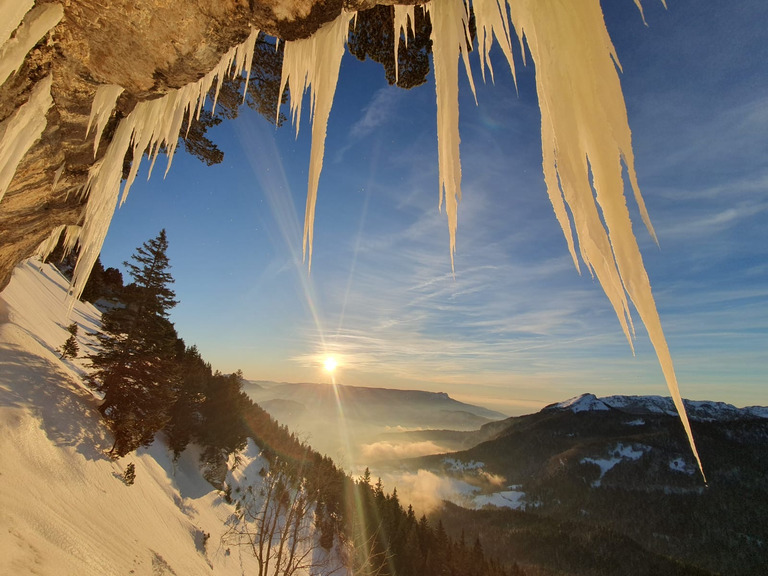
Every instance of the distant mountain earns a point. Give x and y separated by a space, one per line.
384 406
345 421
622 464
696 410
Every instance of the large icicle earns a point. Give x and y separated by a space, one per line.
152 125
11 14
403 18
36 24
19 132
585 132
313 63
101 109
449 40
491 21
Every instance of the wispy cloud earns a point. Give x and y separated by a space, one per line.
379 112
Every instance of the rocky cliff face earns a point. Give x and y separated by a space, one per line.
145 46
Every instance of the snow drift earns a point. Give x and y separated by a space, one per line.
64 508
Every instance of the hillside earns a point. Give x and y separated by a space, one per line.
622 465
64 508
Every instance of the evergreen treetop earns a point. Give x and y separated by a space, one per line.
136 366
151 276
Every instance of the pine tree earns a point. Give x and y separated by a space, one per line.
129 476
185 418
136 368
223 430
70 348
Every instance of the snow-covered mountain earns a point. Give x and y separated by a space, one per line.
612 468
64 507
701 411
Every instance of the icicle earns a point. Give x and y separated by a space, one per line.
492 21
11 15
314 63
36 24
19 132
249 47
49 244
584 131
57 176
151 126
449 34
101 109
402 20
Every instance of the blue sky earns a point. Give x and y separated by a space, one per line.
517 326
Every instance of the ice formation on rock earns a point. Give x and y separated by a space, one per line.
586 141
36 24
152 125
101 110
313 63
71 235
19 132
11 15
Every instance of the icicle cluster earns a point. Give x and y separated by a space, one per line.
26 125
586 141
19 132
584 132
152 125
71 235
403 20
314 64
30 28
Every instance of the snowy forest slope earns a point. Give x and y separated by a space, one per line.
64 508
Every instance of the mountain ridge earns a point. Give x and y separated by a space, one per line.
622 463
699 410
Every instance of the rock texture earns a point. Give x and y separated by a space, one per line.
145 46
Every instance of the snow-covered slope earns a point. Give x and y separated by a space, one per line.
64 508
702 411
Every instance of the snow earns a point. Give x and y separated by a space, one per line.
64 508
36 24
757 411
619 453
507 499
583 403
19 132
679 465
699 410
455 465
313 63
586 140
637 422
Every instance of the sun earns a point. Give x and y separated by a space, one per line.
330 364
